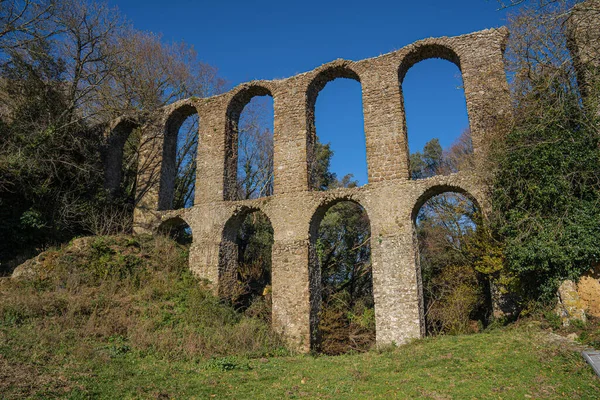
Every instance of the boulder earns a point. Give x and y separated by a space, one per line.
570 307
589 291
27 270
42 264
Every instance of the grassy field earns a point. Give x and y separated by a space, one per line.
506 363
106 319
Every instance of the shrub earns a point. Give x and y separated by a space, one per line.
345 327
455 295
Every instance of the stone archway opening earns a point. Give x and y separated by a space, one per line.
120 157
255 149
435 110
249 144
245 263
341 280
180 149
450 243
177 229
121 160
337 154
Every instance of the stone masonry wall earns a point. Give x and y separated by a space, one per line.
390 199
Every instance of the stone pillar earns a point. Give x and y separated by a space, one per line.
396 287
148 177
486 89
291 299
227 264
290 139
210 172
385 130
583 38
204 260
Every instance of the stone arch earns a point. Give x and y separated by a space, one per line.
177 228
319 211
326 74
234 111
117 136
229 248
421 52
168 171
338 69
314 267
425 51
435 190
426 195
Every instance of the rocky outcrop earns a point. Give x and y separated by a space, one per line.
570 307
38 267
588 289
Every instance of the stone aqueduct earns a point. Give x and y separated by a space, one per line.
390 198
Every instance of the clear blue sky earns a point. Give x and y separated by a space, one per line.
249 40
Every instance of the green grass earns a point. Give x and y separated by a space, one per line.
108 320
506 363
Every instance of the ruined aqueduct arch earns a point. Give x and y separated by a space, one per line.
389 199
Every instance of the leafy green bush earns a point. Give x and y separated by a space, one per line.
547 192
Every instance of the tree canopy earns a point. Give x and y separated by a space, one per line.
66 68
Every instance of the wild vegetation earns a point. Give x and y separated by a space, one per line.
66 68
121 317
134 292
450 231
100 298
546 190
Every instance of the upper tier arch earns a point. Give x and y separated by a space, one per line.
175 117
239 99
424 51
320 78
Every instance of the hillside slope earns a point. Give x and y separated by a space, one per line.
122 317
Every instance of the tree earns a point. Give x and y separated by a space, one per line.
149 74
23 22
435 161
187 150
455 287
67 67
49 168
547 193
426 164
343 246
547 189
255 241
322 177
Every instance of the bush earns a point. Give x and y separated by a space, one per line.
454 297
345 327
547 192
